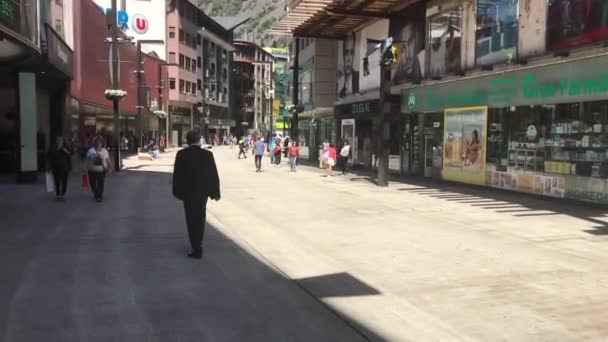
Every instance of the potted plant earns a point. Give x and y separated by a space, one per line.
115 94
160 114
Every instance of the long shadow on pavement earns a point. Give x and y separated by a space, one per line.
502 201
117 271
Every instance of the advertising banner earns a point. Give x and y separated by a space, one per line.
276 107
347 75
409 37
464 152
553 186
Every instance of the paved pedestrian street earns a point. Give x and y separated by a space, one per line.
299 257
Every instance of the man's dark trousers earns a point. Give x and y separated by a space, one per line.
196 212
258 162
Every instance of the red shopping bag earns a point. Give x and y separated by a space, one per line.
85 181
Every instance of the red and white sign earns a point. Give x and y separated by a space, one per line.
140 24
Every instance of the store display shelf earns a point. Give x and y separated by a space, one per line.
578 133
582 161
526 150
577 148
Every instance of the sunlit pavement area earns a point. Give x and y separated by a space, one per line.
300 257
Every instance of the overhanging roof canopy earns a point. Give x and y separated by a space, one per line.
334 18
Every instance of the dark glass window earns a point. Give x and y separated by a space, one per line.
445 42
172 83
572 23
181 36
497 28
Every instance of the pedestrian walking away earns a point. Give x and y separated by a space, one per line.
276 154
242 149
60 165
324 154
294 155
272 143
344 156
195 180
258 151
330 159
97 165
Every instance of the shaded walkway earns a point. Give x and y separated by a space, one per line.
117 271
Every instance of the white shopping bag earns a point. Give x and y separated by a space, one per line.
50 182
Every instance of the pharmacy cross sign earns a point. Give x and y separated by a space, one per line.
411 101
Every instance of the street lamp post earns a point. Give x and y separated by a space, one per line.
114 37
139 72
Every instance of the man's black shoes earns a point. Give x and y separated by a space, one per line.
196 254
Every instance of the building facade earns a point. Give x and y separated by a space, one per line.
216 54
501 93
199 56
90 113
317 63
185 82
253 82
36 56
514 99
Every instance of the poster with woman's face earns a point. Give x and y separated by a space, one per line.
347 76
573 23
408 34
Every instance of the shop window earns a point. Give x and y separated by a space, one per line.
572 23
497 31
563 139
59 26
181 36
172 83
445 43
182 86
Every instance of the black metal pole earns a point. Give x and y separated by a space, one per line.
139 104
115 85
296 91
382 136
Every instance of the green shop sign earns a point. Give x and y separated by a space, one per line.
563 82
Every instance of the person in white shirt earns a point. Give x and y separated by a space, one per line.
97 165
344 155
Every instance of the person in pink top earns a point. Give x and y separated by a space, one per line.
331 159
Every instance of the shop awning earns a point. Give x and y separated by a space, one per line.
333 19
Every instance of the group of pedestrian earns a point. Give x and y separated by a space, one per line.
273 147
329 157
97 164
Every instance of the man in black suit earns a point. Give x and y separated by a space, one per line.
195 179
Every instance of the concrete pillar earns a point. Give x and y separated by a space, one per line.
28 127
532 28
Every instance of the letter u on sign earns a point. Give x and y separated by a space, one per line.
140 24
